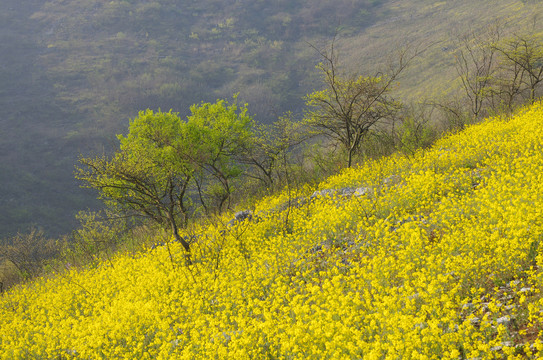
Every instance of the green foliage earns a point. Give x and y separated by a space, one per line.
150 173
219 134
164 163
98 236
415 134
324 160
85 65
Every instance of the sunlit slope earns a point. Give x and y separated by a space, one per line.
436 256
441 23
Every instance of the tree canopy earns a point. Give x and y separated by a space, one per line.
165 164
218 133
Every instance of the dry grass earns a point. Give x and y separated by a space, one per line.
437 27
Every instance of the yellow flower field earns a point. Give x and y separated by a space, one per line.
437 256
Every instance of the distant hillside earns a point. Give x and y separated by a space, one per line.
73 72
437 256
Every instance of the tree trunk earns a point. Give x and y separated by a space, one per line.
180 239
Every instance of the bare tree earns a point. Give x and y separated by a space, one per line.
271 146
508 83
28 252
523 58
350 105
476 64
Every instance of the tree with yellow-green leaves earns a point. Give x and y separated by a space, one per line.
165 164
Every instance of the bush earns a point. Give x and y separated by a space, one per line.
28 253
414 134
99 235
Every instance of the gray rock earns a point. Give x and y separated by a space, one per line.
392 180
504 320
322 193
363 191
343 192
348 191
244 215
175 342
525 290
241 216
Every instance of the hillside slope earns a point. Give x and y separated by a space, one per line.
435 256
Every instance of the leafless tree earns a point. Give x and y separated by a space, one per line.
523 58
475 64
271 146
350 105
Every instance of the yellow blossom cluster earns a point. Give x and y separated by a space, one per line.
437 256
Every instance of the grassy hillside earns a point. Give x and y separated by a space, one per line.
434 256
439 23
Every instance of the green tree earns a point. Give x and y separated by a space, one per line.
150 174
219 135
97 237
165 163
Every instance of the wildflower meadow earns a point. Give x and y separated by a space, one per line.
432 256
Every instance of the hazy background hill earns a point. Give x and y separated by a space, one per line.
72 72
